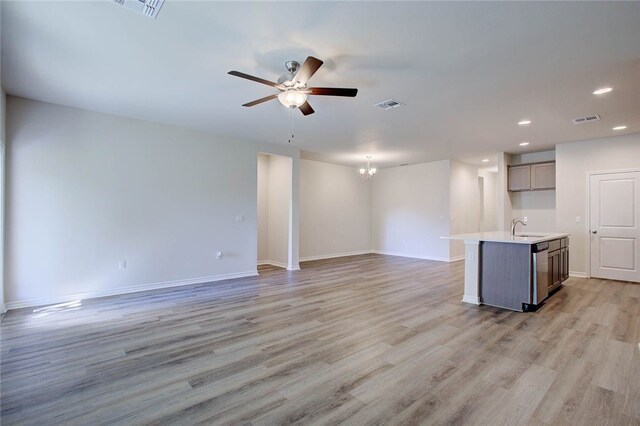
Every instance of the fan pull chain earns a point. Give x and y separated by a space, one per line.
291 136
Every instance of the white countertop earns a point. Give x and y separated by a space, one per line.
506 237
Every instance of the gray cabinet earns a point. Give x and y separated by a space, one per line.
558 262
564 259
555 269
531 177
505 274
519 178
543 176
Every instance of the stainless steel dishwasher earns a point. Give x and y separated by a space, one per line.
539 272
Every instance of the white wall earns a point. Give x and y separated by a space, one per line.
410 209
538 206
335 211
573 161
533 157
263 208
465 204
504 209
489 200
279 210
86 190
3 100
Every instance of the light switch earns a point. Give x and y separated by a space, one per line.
122 264
239 218
578 219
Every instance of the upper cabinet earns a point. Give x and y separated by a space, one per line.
530 177
520 178
543 176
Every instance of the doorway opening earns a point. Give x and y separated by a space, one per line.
275 216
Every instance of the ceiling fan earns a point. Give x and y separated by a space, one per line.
293 86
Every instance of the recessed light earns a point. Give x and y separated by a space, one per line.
524 143
524 122
619 127
602 90
485 160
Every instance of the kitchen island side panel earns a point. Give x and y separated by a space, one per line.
505 274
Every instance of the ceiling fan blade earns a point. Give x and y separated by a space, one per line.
252 78
332 91
306 109
309 68
261 100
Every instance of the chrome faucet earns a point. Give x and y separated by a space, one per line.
514 222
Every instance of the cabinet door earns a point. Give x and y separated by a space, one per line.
565 263
554 268
519 178
543 176
559 271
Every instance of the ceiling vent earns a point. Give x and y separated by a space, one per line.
586 119
146 7
389 104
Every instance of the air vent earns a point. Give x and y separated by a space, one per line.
586 119
149 8
389 104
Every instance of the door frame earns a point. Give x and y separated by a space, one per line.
588 210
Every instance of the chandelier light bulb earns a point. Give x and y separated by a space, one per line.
368 171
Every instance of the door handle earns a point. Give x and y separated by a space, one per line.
594 232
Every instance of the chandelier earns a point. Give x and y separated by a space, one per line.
368 171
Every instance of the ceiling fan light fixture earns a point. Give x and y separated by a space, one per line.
293 89
292 98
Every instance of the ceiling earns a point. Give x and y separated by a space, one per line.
467 72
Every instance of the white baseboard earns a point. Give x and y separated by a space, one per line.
331 256
475 300
279 265
272 263
577 274
419 256
127 290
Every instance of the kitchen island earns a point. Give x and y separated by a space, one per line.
516 272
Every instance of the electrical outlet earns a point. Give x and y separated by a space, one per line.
240 218
122 264
219 254
578 219
524 219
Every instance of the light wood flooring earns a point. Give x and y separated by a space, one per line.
366 339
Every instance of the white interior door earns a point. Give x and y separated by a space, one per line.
615 225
